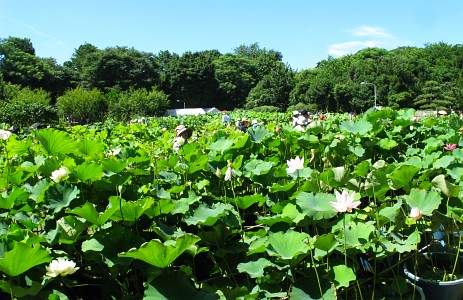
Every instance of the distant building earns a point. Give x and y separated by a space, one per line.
190 111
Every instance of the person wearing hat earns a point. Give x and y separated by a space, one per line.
254 123
182 135
295 117
303 120
244 125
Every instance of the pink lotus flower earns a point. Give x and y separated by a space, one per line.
415 213
345 202
450 147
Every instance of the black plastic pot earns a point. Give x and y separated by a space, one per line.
434 289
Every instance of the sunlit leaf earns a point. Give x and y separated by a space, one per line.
160 254
56 142
22 258
287 245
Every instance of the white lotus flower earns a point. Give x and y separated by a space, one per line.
345 202
114 152
5 134
230 173
295 164
415 213
61 267
59 174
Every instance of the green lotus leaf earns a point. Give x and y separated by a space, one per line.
257 167
88 212
357 150
208 216
17 147
443 162
183 204
387 143
342 275
222 145
176 285
107 244
160 254
114 165
60 196
456 173
303 291
56 142
259 134
89 171
358 234
287 245
255 269
325 244
426 201
245 202
17 196
402 176
316 206
391 212
129 211
91 147
360 127
22 258
445 187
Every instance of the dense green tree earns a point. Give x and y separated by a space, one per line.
235 75
273 89
190 78
138 103
19 65
432 97
82 106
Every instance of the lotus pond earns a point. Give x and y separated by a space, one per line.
109 211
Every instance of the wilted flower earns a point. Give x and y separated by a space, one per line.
295 164
450 147
345 202
59 174
61 267
5 134
218 173
114 152
312 154
415 213
230 173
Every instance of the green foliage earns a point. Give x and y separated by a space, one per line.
134 103
82 106
25 114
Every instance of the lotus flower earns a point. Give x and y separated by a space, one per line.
59 174
295 164
230 173
450 147
114 152
5 134
345 202
415 213
61 267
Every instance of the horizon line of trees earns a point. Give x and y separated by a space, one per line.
122 82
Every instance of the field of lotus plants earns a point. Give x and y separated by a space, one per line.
110 211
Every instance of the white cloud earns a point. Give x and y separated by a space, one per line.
351 47
372 31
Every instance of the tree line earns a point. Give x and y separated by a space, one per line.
121 82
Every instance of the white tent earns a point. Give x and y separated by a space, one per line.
190 111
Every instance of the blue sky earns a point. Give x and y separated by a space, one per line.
304 31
